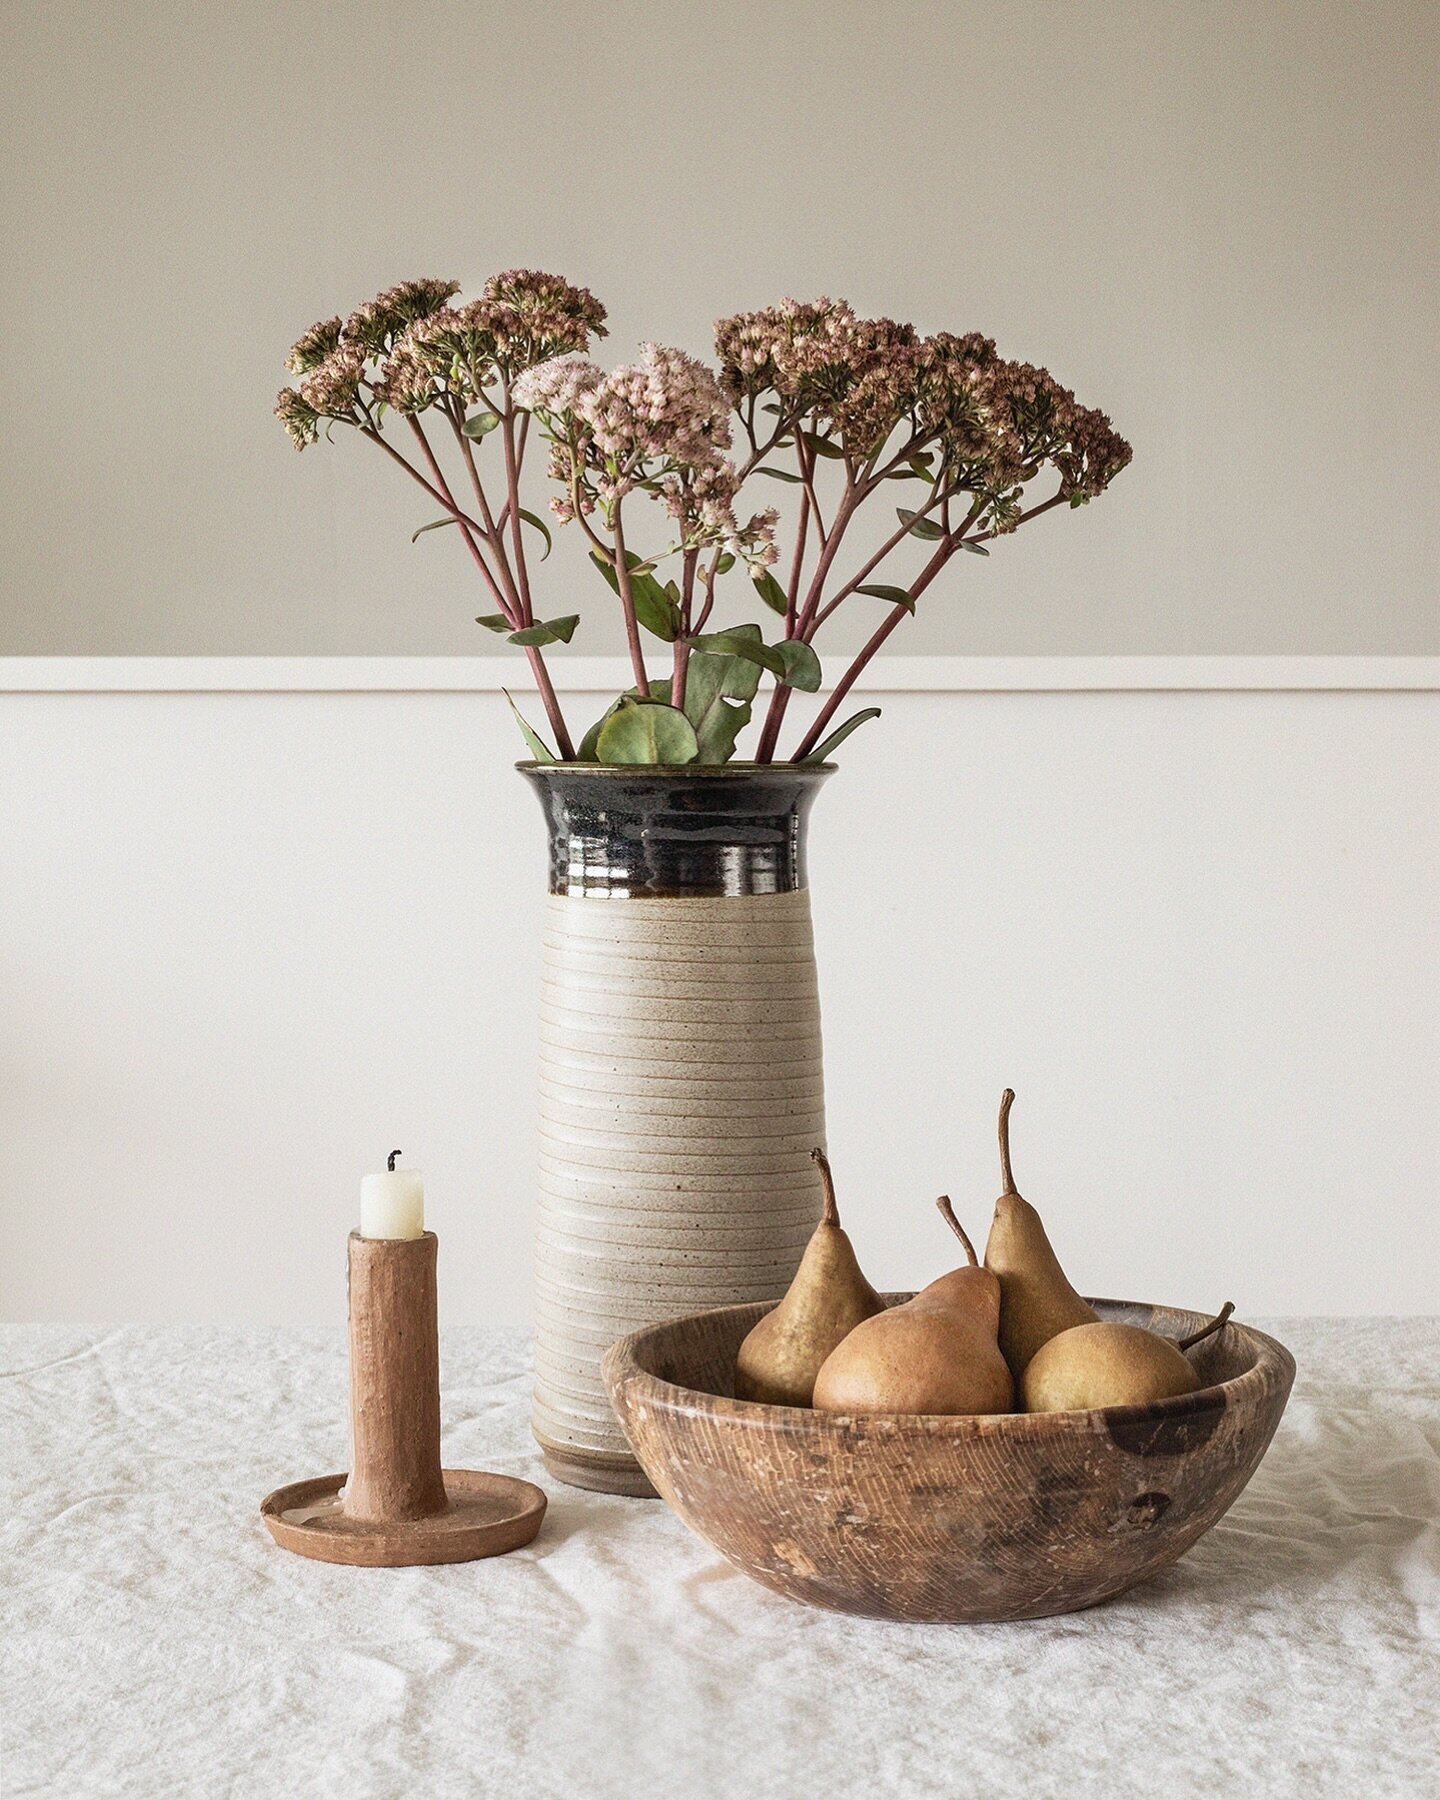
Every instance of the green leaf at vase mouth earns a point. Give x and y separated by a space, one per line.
771 592
539 749
744 641
479 424
434 525
802 665
544 530
547 631
920 528
646 732
718 691
839 735
883 591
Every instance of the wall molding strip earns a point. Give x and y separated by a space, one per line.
606 674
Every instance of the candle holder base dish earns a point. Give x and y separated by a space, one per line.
487 1515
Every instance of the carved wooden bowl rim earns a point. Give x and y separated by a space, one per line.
1249 1392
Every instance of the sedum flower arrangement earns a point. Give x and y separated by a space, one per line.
811 395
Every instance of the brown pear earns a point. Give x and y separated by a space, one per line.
828 1298
1110 1364
1036 1301
935 1354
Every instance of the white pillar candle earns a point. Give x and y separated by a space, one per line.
392 1204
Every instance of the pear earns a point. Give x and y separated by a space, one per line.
1036 1301
935 1354
828 1297
1109 1364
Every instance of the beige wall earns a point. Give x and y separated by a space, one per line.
1216 220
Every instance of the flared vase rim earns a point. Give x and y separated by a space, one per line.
685 771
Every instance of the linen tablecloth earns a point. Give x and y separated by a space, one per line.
157 1643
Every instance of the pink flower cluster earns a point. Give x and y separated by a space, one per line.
427 348
521 318
993 422
661 423
375 325
821 358
332 355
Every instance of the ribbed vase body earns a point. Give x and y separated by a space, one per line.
681 1085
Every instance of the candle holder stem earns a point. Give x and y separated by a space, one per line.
394 1380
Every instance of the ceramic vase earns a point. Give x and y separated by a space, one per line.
681 1085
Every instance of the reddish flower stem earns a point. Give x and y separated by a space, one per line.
627 606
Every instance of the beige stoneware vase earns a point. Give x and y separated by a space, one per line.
681 1084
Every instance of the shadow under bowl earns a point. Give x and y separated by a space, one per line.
922 1517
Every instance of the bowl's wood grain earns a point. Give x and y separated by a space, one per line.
1008 1516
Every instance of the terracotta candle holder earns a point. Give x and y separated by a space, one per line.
399 1507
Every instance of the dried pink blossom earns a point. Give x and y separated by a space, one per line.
314 345
661 424
522 318
333 385
301 422
820 358
378 322
556 387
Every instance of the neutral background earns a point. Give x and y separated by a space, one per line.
1217 220
251 941
254 941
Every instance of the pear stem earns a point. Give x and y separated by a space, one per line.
831 1213
947 1212
1214 1325
1007 1100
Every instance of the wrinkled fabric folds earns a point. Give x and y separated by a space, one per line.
157 1643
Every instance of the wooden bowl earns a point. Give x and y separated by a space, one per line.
1007 1516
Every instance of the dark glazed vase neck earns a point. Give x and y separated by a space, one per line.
634 833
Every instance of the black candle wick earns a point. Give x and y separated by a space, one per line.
390 1165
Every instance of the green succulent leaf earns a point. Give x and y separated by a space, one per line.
823 446
779 474
539 749
883 591
654 608
434 525
802 665
771 592
646 732
743 641
479 424
920 528
540 526
725 563
495 622
547 631
712 706
735 676
839 735
974 549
